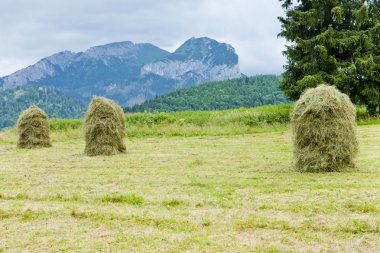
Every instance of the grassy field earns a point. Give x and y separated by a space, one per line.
186 188
202 123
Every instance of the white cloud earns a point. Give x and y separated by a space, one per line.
33 29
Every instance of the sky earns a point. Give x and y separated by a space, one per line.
34 29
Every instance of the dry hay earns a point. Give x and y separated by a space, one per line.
324 131
104 127
33 128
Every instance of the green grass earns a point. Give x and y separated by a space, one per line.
232 192
194 123
197 123
119 198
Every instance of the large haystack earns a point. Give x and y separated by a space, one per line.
33 129
104 128
324 130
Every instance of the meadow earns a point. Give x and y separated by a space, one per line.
217 181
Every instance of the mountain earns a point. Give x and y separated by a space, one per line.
235 93
55 103
129 73
197 61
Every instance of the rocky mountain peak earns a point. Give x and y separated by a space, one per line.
119 49
206 50
61 59
197 60
130 72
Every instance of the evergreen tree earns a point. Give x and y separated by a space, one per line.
333 41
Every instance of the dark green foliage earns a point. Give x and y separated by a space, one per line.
33 129
337 42
55 103
324 131
243 92
104 128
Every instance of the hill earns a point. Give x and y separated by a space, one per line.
241 92
130 72
55 103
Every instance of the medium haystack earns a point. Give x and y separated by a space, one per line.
104 128
33 129
324 131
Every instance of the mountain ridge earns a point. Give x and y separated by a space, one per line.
129 72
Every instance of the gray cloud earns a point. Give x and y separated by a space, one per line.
33 29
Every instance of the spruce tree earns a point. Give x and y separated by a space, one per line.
335 42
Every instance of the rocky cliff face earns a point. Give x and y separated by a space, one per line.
191 68
200 59
46 67
130 73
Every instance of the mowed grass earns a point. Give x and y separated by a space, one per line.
225 193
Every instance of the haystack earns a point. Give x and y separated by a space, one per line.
104 128
324 131
33 129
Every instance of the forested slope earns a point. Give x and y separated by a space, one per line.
242 92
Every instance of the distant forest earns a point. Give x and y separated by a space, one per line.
55 103
235 93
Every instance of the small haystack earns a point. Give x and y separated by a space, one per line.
33 128
104 127
324 131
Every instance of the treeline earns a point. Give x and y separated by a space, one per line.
235 93
55 103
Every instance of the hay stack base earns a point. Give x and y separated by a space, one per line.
104 127
33 129
324 131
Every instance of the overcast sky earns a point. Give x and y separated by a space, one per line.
33 29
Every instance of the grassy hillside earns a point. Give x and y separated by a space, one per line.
243 92
211 192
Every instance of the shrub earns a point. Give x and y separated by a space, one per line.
33 129
104 127
323 122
